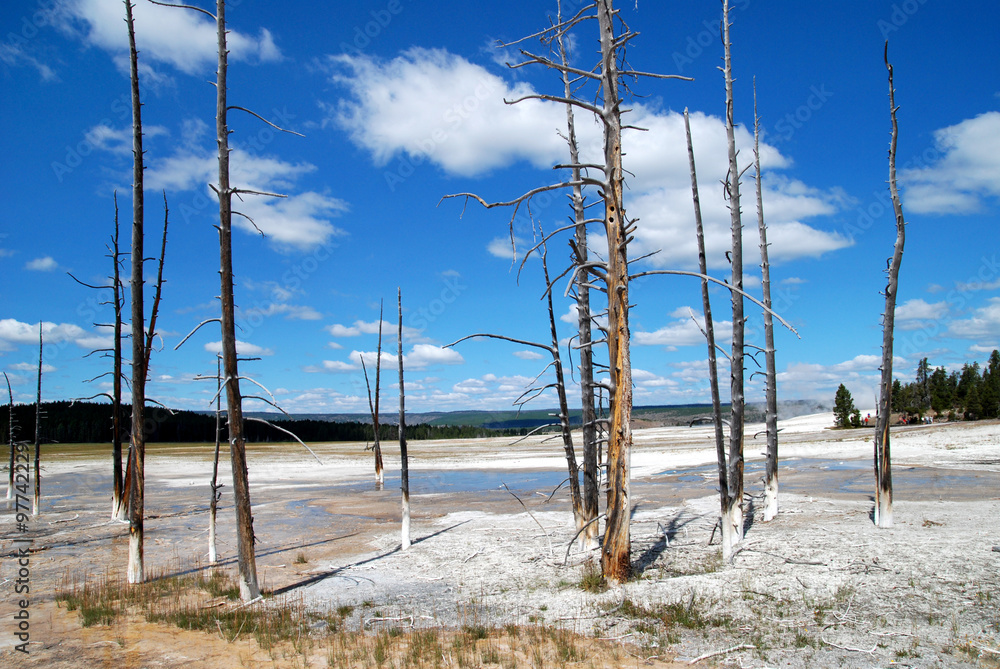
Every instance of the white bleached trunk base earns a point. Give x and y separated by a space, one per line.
883 512
405 530
771 500
135 569
213 555
732 531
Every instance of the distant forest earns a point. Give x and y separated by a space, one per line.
970 393
90 422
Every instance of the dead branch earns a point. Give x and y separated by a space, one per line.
722 652
290 434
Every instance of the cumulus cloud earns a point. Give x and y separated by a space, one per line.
433 106
242 348
966 174
46 264
299 220
360 327
683 331
14 333
181 38
529 355
914 314
420 356
982 326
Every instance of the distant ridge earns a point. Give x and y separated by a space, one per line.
646 416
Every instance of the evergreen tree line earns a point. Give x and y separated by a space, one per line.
90 422
970 394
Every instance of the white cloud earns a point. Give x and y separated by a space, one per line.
684 331
119 140
13 54
424 355
46 264
410 106
298 220
914 314
31 367
430 104
420 356
242 348
529 355
15 333
359 328
293 312
181 38
982 326
967 172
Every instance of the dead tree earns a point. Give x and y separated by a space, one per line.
613 273
404 470
770 369
373 406
37 503
142 338
883 461
246 559
588 417
119 489
734 515
138 445
713 368
214 485
559 386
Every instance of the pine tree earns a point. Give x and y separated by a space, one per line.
843 407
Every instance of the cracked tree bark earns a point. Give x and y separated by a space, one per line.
616 562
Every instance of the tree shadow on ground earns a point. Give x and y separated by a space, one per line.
338 571
668 532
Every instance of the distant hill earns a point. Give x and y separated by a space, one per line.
642 416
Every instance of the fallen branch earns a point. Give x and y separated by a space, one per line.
848 648
382 620
547 537
721 652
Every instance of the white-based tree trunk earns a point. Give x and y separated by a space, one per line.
404 472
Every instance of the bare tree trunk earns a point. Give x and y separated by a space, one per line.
564 426
10 471
249 589
37 503
588 418
373 406
118 507
713 367
770 369
136 572
615 553
404 471
734 515
213 505
883 461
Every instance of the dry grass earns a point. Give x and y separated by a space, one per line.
344 637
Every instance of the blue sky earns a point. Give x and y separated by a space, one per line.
401 103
